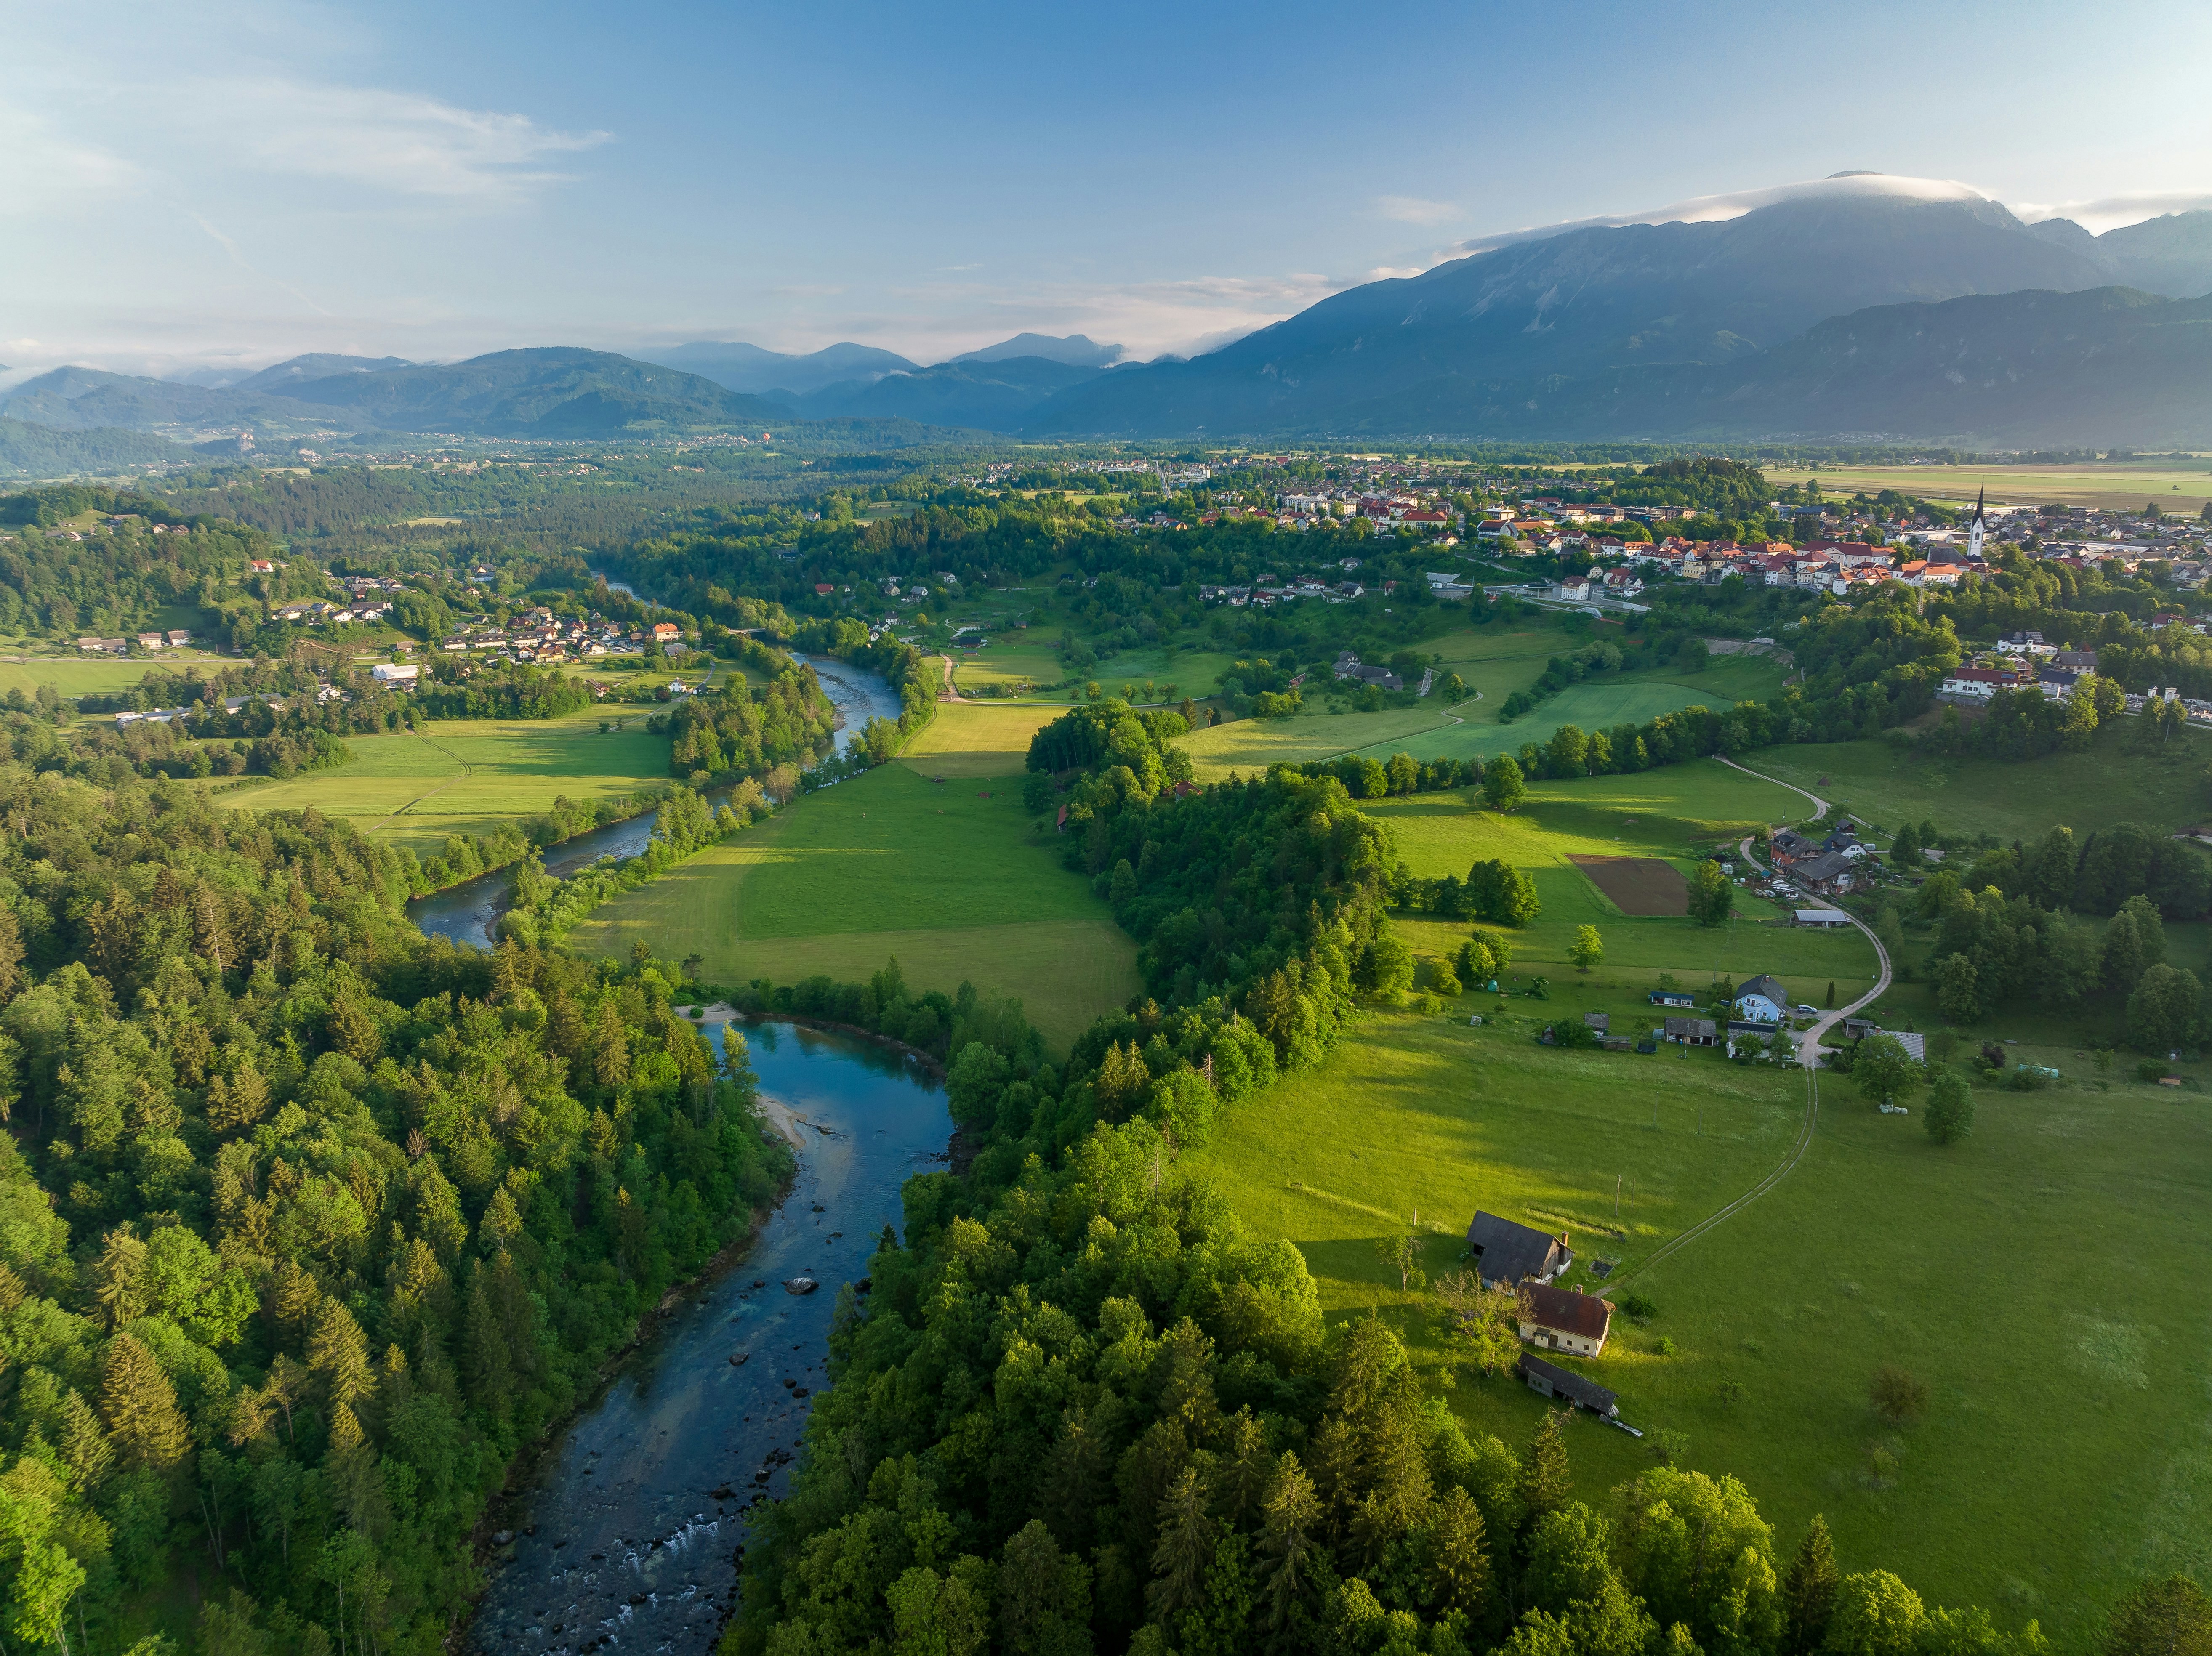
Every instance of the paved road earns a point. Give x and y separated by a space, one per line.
1820 805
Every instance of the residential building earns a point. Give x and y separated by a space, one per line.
1561 1319
1762 999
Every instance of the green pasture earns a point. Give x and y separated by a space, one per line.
1000 663
76 675
950 878
2068 1450
467 776
1252 744
1675 813
1196 673
2123 777
971 739
2182 489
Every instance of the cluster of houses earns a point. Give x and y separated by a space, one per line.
1526 1263
1830 866
1268 590
1385 510
175 639
537 635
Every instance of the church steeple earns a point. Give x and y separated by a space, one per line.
1974 530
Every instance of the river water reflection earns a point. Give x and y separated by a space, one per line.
628 1537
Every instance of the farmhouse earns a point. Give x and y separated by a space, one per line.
1563 1321
1692 1031
1549 1379
1762 1000
1507 1255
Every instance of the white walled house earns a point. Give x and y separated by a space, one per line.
1563 1320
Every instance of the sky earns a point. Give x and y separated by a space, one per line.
236 181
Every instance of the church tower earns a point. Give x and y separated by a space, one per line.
1974 530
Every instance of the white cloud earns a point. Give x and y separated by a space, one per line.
1412 210
44 170
400 142
2111 212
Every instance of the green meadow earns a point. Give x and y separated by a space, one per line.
2123 777
2068 1448
952 877
468 776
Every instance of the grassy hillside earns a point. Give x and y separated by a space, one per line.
950 878
2068 1450
2121 778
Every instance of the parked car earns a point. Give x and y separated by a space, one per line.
1804 1011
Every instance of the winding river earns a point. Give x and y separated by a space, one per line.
468 913
631 1534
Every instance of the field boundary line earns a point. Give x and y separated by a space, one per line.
467 769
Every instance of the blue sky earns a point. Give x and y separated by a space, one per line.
243 181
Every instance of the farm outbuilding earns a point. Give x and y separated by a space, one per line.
1507 1255
1600 1021
1549 1379
1692 1031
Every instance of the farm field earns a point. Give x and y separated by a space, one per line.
467 776
1193 672
2182 487
1246 745
969 739
1674 814
951 878
2068 1450
76 675
998 664
2118 779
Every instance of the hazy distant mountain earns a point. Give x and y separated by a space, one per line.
748 368
2170 255
2032 370
554 391
28 451
1076 351
988 396
88 399
1583 301
283 377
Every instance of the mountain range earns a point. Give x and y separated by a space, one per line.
1509 330
1860 306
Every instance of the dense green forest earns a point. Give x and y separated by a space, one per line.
310 1224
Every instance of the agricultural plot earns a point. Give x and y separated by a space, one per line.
951 878
2181 488
1672 815
1001 665
76 675
1246 745
468 776
1637 885
2044 1377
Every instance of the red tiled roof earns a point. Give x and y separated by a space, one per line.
1570 1313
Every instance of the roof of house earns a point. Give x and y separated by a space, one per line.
1827 866
1567 1383
1507 1250
1764 984
1568 1312
1704 1027
1600 1021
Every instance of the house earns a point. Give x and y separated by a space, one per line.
1507 1255
665 632
1600 1021
179 638
152 640
1692 1031
390 673
1672 998
1762 999
1549 1379
1823 917
1980 683
114 647
1830 872
1561 1321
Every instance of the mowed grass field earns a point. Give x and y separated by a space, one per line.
950 878
972 739
96 675
1674 814
2120 779
467 776
2183 488
2028 1274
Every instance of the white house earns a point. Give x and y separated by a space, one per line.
1560 1319
1762 999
